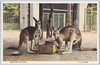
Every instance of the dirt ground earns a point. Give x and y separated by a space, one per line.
11 39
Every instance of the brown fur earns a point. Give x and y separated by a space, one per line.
71 34
29 34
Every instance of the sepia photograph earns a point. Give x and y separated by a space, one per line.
50 32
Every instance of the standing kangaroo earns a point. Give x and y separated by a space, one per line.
29 34
71 34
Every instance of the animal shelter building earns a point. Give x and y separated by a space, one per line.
81 15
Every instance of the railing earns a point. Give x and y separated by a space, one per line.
57 21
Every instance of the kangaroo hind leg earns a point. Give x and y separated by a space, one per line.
80 44
32 45
66 45
27 47
78 41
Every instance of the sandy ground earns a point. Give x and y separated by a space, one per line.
11 39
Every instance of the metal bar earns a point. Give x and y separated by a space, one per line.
57 9
64 19
48 16
55 13
58 19
91 21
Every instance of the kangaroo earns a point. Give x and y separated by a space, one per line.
71 34
29 34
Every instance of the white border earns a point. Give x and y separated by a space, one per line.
51 62
1 33
98 6
50 1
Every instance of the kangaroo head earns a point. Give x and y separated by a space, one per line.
37 23
55 32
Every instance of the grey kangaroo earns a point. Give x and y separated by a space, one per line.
29 34
71 34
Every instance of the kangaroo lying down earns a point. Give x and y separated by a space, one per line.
71 34
29 34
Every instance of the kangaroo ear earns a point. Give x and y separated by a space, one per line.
35 19
58 28
53 28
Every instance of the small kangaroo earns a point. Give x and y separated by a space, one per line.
71 34
29 34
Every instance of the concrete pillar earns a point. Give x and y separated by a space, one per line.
69 14
42 18
82 6
23 15
34 12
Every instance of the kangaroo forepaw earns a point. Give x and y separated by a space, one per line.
66 52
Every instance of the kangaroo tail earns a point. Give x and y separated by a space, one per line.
88 49
85 49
